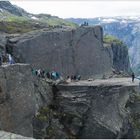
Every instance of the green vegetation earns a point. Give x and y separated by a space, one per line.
108 39
16 27
54 21
6 16
41 117
135 121
11 23
51 132
44 114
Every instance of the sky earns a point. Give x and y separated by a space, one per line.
80 8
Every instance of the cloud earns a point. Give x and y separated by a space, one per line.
81 9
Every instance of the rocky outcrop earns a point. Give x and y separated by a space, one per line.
70 51
97 109
133 106
119 57
35 107
21 95
126 28
128 31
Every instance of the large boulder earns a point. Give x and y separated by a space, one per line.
69 51
97 109
21 95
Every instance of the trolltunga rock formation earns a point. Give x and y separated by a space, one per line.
96 109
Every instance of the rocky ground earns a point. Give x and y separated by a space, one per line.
91 109
107 82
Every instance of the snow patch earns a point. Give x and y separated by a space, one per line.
109 20
34 18
124 21
1 10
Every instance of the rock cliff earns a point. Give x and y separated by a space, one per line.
118 53
126 28
35 107
69 51
120 58
96 109
20 98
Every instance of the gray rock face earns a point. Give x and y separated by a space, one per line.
3 42
70 51
119 57
98 109
126 29
134 106
128 32
20 98
95 110
17 101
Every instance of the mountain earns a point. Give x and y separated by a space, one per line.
14 19
15 10
34 105
125 28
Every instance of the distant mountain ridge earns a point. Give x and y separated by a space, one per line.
126 28
14 19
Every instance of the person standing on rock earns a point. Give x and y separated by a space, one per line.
11 60
133 76
68 79
79 77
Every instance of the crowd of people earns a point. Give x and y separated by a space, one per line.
73 78
54 75
85 24
46 74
